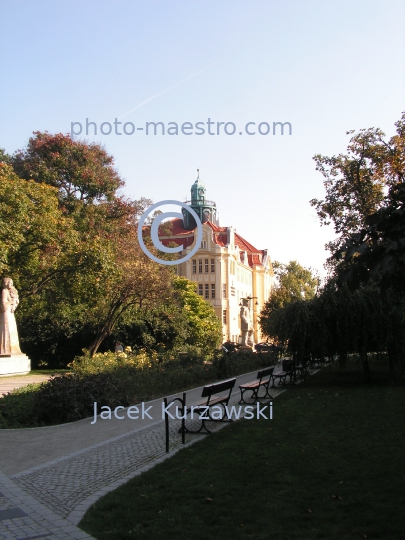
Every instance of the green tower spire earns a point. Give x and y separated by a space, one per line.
206 210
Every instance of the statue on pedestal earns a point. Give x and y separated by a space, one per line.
246 325
12 360
9 343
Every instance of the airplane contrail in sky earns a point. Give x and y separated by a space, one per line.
166 90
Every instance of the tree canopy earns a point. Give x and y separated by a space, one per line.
79 170
295 284
365 198
69 241
356 183
205 329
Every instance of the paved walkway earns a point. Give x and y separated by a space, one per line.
8 384
50 476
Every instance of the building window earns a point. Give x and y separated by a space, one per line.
224 316
207 291
194 266
212 266
204 244
200 289
206 266
200 266
212 290
224 290
233 291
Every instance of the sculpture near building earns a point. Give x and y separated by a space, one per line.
12 360
246 324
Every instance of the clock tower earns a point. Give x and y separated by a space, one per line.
206 210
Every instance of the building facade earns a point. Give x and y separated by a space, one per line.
225 268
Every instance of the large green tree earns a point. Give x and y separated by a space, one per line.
135 281
79 170
294 284
356 182
69 241
39 243
377 252
58 269
205 329
335 322
75 256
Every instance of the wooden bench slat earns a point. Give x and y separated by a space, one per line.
218 387
251 385
207 392
214 401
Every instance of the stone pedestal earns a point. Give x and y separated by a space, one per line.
14 364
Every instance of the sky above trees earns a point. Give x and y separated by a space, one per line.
325 67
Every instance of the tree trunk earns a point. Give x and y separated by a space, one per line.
104 332
364 361
110 322
96 344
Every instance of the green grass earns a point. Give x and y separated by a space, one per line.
329 465
49 371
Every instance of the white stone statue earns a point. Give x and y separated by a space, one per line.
246 325
9 343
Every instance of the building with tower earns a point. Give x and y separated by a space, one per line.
225 268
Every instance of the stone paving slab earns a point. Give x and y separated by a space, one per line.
23 518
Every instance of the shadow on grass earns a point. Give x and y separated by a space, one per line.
329 465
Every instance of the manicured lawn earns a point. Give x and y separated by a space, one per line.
329 465
48 371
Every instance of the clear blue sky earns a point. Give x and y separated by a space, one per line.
324 66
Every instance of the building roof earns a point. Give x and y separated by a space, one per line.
185 237
244 244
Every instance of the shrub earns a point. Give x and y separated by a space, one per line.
110 361
114 379
71 397
17 408
233 364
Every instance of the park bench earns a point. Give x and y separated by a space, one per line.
211 394
302 370
288 370
264 378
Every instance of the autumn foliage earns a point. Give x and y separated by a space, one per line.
68 239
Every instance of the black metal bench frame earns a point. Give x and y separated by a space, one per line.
302 370
257 384
203 407
288 371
